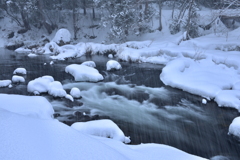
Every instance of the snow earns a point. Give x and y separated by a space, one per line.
194 76
35 107
40 84
22 50
55 89
20 71
75 92
234 128
83 73
204 101
62 35
5 83
110 56
28 131
51 63
112 64
103 128
69 97
89 64
17 79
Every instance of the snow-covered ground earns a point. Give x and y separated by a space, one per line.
28 131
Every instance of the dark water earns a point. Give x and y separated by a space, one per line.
135 99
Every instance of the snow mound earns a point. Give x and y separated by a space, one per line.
5 83
62 35
17 79
234 128
112 64
84 73
196 77
55 89
37 107
75 92
89 64
40 84
20 71
102 128
22 50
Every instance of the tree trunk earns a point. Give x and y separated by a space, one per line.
74 19
25 21
93 12
189 19
160 14
173 9
84 7
43 17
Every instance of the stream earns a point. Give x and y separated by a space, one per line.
136 100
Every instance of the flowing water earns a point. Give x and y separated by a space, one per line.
136 100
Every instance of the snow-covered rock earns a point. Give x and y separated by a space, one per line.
37 107
5 83
22 50
17 79
89 64
75 92
20 71
84 73
234 128
62 36
110 56
55 89
112 64
40 84
102 128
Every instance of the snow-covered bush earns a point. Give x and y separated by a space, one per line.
62 37
112 64
17 79
20 71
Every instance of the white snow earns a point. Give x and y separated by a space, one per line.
55 89
5 83
102 128
29 132
51 63
20 71
234 128
40 84
75 92
84 73
17 79
110 56
89 64
205 78
22 50
69 97
204 101
62 34
36 107
112 64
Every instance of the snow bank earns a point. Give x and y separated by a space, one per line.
24 135
84 73
62 35
17 79
204 78
55 89
5 83
103 128
20 71
75 92
112 64
89 64
37 107
234 128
